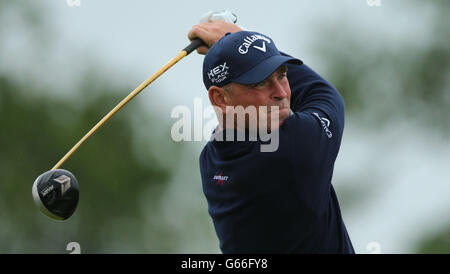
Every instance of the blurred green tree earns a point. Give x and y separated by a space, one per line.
35 132
435 243
382 79
400 82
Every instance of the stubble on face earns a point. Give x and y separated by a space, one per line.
271 98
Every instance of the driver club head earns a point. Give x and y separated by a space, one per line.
56 193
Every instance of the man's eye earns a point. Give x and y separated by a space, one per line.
283 75
260 84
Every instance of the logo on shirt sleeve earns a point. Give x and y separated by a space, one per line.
325 124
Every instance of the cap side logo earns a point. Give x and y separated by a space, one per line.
218 73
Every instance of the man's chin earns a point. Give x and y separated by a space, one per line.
282 114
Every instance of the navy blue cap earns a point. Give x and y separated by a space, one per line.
244 57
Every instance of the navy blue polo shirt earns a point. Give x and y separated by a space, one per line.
281 201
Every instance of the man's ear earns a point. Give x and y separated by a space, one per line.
218 97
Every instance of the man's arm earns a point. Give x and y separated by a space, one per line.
315 132
312 93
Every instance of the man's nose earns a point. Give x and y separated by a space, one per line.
279 92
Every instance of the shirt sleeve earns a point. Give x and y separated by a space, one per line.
315 132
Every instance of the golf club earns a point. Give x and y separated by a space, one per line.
56 192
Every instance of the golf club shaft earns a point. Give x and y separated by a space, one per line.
191 47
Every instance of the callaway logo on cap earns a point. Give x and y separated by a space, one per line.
244 57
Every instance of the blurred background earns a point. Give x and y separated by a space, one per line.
65 64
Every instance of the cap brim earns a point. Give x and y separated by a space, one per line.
264 69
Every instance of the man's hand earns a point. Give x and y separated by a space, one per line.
210 32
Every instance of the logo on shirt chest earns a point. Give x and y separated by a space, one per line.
220 178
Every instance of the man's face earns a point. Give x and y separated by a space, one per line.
273 91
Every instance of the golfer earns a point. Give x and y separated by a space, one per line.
281 201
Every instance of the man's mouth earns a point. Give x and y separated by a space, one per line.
277 108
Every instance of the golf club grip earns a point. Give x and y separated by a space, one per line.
197 42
